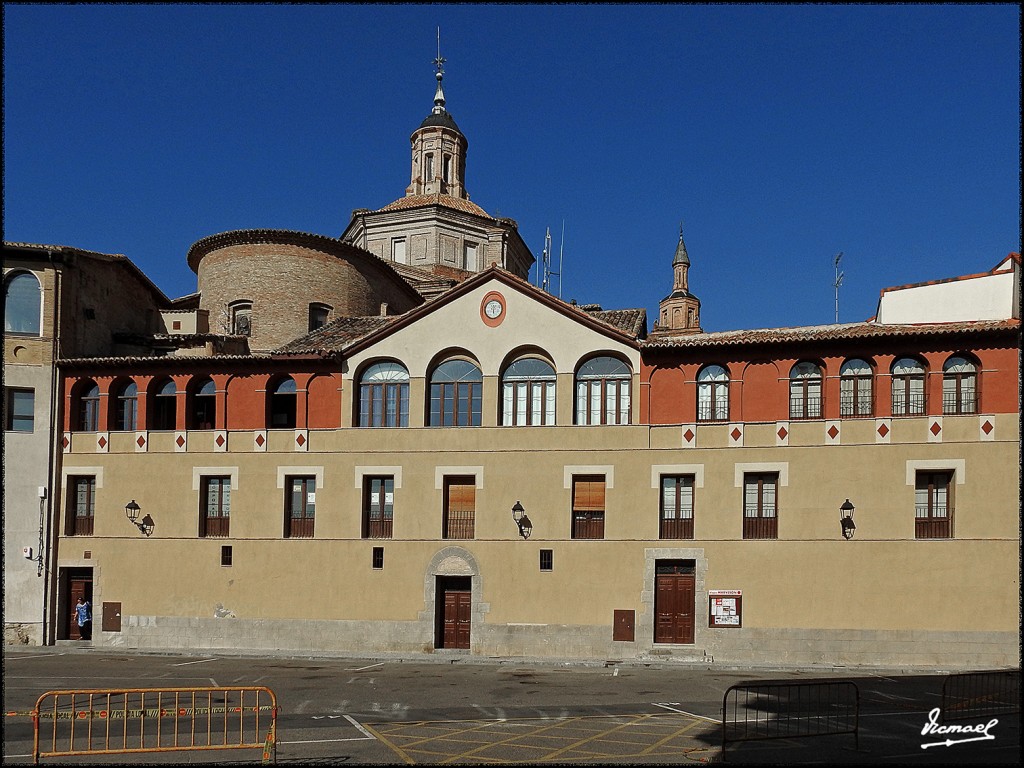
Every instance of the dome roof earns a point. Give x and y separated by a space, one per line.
442 119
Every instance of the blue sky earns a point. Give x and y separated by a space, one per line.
779 135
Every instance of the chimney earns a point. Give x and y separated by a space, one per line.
383 309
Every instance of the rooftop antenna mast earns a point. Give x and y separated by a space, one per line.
546 272
838 282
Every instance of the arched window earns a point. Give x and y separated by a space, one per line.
89 407
959 386
805 391
528 393
126 407
603 391
164 413
23 302
456 389
281 406
202 412
713 394
907 387
855 388
241 318
384 396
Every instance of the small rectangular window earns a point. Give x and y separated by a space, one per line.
760 511
459 508
19 410
398 254
676 507
378 558
318 314
547 559
225 556
300 507
378 507
215 506
81 506
588 501
933 505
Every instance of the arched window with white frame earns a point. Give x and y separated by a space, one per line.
384 395
907 387
456 392
855 388
959 386
805 391
603 387
713 394
528 393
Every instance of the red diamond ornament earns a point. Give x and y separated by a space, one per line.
736 434
935 428
883 430
220 441
833 431
300 440
102 442
141 441
688 435
782 433
260 440
987 427
180 441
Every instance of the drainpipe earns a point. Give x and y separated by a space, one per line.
48 555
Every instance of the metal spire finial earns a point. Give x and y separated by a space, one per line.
439 66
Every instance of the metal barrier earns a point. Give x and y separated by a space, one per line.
128 720
788 710
977 695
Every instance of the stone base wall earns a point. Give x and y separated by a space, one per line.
23 633
742 646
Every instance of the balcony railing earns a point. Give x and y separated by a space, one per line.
764 526
380 529
588 525
677 528
932 522
459 525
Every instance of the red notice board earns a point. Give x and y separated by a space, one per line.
725 608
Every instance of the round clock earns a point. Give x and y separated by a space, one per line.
493 308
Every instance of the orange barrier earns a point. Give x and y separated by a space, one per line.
128 720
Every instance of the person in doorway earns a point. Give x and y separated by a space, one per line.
83 615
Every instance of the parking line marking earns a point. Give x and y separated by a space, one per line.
361 669
200 661
359 727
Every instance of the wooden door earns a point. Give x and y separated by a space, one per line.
79 586
456 613
674 608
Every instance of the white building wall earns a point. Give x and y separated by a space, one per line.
985 297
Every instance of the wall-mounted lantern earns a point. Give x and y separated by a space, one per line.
519 515
846 519
132 512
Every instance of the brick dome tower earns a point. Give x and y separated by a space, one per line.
438 150
680 310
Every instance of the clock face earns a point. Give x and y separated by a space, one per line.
492 308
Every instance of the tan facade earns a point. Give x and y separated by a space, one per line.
808 596
884 597
85 303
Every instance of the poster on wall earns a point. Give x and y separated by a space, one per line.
725 608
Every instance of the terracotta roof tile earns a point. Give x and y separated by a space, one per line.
334 336
447 201
665 339
631 321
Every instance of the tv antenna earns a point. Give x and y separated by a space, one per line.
546 271
838 282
